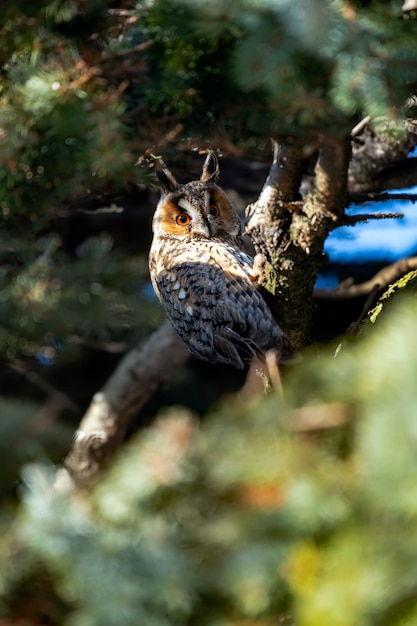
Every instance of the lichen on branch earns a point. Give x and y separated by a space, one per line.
289 231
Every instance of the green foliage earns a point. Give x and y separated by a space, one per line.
48 301
60 123
177 56
298 512
49 130
286 67
26 435
82 93
50 308
63 136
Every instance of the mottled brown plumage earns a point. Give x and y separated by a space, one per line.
204 279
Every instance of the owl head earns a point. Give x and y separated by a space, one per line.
199 209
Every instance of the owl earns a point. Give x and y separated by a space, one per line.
203 277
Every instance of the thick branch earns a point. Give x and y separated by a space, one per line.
103 427
284 179
281 187
325 203
290 233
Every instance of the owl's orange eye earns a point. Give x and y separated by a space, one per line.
183 219
214 210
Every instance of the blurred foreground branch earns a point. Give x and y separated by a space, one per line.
103 427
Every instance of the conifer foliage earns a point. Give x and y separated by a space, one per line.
301 512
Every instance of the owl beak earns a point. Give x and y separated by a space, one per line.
202 230
212 225
203 227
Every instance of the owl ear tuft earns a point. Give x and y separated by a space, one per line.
210 169
165 176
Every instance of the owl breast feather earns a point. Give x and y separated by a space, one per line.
213 305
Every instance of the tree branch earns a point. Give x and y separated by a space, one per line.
382 279
375 156
359 198
289 233
351 220
103 427
281 187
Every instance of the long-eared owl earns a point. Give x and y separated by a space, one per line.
203 277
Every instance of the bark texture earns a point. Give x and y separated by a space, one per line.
379 159
103 427
288 232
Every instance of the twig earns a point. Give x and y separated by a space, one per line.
122 12
319 417
272 366
359 198
58 397
351 220
383 278
111 54
369 302
356 130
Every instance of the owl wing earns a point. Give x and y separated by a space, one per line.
190 292
245 320
218 312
